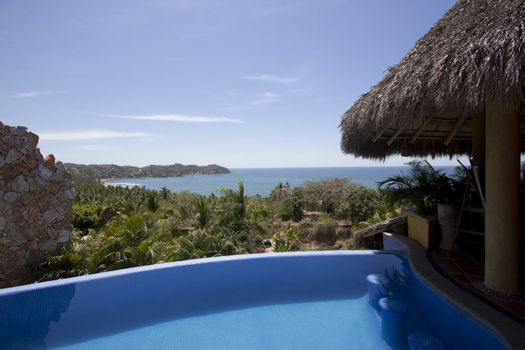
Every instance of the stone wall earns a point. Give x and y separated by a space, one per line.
36 198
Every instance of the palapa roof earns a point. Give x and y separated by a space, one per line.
425 105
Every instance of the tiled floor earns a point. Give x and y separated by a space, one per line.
467 270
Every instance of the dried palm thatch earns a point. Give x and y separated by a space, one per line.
425 105
365 236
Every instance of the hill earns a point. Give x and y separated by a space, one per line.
112 171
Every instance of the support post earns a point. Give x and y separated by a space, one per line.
502 182
478 141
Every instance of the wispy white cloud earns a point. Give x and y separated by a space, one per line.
257 100
179 118
264 98
89 134
272 78
94 147
33 93
308 91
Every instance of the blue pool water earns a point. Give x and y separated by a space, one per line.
266 301
309 325
262 181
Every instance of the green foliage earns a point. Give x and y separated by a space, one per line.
423 188
203 212
322 195
152 203
164 193
281 246
86 216
280 191
360 204
291 209
119 227
198 244
339 198
288 239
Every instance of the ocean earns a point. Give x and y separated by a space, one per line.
261 181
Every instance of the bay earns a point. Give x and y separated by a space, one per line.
262 180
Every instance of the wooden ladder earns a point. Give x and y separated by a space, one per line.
473 187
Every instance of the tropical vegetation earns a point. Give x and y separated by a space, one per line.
423 187
117 227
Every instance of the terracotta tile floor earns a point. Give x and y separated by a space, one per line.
467 270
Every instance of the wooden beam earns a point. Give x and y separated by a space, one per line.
458 125
416 135
379 133
444 118
436 138
393 137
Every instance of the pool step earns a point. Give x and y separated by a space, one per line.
424 341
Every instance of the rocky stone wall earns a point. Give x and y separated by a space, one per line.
36 197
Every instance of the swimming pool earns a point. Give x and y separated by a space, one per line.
310 300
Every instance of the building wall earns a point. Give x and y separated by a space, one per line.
36 197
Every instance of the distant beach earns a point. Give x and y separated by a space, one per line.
262 180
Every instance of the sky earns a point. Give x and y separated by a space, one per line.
243 84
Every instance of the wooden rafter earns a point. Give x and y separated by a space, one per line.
393 137
379 133
454 130
423 126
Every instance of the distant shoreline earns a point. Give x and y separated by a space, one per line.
123 184
262 181
104 172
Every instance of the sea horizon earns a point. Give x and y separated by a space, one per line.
261 181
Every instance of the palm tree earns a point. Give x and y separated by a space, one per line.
423 187
198 244
164 193
203 212
152 203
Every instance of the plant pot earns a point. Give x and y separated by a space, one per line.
448 223
422 229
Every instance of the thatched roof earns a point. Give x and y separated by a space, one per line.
476 52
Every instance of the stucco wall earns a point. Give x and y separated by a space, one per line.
36 197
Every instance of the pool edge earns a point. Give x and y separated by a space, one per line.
509 330
168 265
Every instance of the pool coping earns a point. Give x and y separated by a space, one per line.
509 330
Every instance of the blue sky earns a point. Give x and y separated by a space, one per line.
237 83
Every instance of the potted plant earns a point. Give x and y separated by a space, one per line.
423 188
447 208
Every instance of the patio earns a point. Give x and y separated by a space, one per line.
466 271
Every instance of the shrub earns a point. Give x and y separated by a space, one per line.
291 209
324 232
86 216
281 246
358 205
328 196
